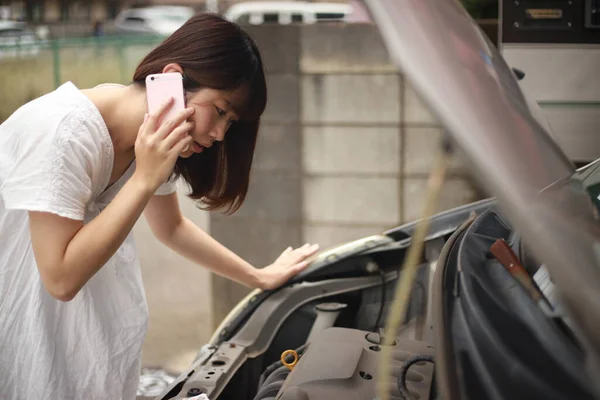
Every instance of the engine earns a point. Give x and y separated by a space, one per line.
341 363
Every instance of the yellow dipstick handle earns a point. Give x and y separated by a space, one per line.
291 365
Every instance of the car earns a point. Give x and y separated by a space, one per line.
287 12
498 299
17 40
157 20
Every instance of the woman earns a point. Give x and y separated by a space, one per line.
77 168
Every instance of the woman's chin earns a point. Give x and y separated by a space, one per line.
186 154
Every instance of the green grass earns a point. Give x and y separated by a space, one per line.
24 79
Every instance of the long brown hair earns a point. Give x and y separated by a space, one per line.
217 54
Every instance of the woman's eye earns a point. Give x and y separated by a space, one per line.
220 111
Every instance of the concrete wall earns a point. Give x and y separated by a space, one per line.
271 218
344 150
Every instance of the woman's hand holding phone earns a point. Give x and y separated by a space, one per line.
158 146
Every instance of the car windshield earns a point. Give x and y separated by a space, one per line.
168 14
175 17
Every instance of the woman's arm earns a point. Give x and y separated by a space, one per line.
69 253
184 237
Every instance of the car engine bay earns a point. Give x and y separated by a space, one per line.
339 363
321 337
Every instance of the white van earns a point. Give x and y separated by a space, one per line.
287 12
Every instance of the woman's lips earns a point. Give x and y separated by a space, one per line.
197 147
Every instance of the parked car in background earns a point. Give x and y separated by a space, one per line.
287 12
160 20
17 40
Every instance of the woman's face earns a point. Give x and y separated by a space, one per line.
213 117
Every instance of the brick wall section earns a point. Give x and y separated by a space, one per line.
344 150
351 113
271 218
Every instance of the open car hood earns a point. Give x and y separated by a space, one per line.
467 84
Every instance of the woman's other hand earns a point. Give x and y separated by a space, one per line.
287 265
157 147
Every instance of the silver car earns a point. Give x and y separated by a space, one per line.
17 40
158 20
505 296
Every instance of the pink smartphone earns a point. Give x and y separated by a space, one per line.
159 87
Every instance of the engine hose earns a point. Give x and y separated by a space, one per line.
269 391
280 374
397 312
404 393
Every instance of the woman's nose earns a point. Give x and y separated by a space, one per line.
218 132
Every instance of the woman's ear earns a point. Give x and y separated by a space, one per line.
172 67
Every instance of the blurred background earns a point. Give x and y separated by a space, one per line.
344 149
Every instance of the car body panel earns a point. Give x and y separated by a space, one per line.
321 266
474 94
287 12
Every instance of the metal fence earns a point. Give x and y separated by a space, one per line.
29 69
23 50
